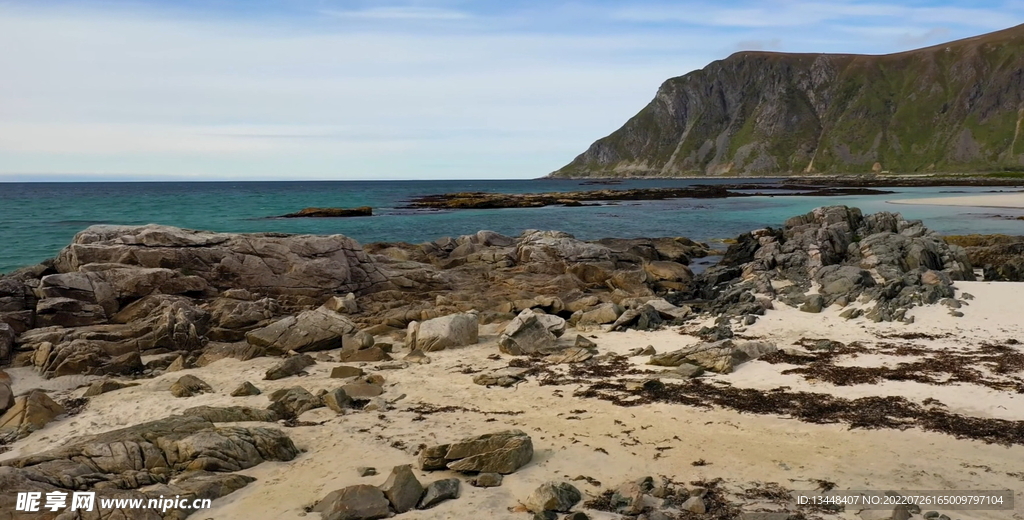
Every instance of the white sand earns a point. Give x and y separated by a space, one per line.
1000 200
568 431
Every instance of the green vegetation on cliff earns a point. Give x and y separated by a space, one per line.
956 107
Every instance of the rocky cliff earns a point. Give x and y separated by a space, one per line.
956 107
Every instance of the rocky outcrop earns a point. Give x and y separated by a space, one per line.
28 413
267 263
721 356
848 256
766 113
1001 257
184 455
531 333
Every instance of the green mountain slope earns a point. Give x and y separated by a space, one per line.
956 107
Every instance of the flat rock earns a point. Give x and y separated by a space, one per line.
362 390
103 386
553 496
584 342
289 367
571 355
438 491
720 356
344 372
232 414
402 489
486 480
501 452
293 402
367 355
318 329
504 377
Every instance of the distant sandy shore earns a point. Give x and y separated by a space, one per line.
1002 200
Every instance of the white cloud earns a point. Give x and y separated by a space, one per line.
400 13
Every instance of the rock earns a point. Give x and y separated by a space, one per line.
245 389
644 318
337 400
344 372
359 502
545 515
720 356
67 312
7 336
438 491
501 452
402 489
377 404
504 377
668 271
454 330
417 356
584 342
362 390
289 367
814 304
179 450
553 496
667 310
486 480
295 265
6 396
343 305
188 386
232 414
571 355
318 329
580 515
293 402
761 515
29 413
688 370
529 333
368 355
105 385
358 340
602 314
365 471
694 504
218 351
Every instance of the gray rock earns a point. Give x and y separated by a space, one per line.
188 386
337 400
580 515
694 504
366 471
602 314
370 355
503 377
359 502
667 310
344 305
454 330
293 402
6 396
402 489
486 480
530 332
289 367
584 342
570 355
720 356
553 496
815 303
688 370
438 491
501 452
244 389
318 329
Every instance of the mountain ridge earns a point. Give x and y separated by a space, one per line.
952 107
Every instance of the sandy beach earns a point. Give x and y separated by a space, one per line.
1000 200
598 439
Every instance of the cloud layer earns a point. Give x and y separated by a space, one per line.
339 90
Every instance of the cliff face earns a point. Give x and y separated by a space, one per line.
956 107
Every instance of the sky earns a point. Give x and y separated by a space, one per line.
338 90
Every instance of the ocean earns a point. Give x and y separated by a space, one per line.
38 219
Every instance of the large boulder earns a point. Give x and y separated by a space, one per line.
359 502
318 329
720 356
271 263
402 489
501 452
454 330
7 336
29 413
530 333
553 496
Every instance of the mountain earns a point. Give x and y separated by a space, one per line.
956 107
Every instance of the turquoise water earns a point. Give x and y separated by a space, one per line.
37 219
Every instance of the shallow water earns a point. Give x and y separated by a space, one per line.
37 219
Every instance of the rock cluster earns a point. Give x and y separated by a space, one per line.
847 256
400 493
501 452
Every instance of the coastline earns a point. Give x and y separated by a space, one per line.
1002 200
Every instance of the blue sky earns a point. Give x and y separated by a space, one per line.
326 89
